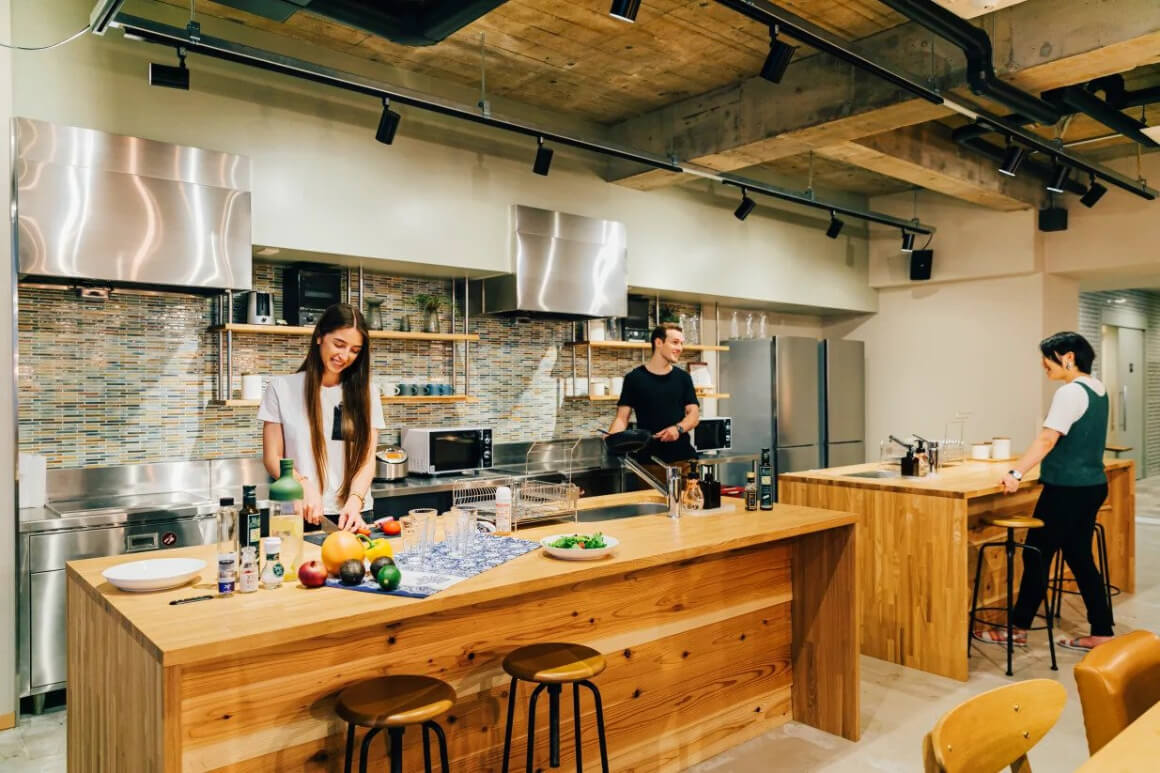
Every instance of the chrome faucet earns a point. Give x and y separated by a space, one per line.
671 488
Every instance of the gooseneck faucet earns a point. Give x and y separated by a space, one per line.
671 488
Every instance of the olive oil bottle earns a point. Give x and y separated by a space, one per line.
765 481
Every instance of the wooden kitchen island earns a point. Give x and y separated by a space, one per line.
716 628
917 549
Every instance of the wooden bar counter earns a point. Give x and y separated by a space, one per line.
917 549
717 628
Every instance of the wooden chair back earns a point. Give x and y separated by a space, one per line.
995 729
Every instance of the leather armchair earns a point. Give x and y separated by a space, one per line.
1118 682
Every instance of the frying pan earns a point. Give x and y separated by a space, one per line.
626 442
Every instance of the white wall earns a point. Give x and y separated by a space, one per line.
322 183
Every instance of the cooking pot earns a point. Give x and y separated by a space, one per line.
391 463
626 442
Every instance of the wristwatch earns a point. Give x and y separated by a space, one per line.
1015 474
680 430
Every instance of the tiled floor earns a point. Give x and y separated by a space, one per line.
899 705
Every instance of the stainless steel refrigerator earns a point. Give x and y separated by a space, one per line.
843 403
800 397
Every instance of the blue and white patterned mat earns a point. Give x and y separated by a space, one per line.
442 570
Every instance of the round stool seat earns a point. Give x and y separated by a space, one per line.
1014 522
395 701
554 663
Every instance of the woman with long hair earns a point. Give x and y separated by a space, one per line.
326 417
1070 452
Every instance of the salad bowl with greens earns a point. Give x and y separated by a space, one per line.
579 547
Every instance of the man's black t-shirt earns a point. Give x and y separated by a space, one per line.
659 402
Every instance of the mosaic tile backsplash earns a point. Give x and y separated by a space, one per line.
129 380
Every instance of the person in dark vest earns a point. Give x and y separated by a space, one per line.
1070 453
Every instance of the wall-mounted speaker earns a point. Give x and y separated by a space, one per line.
1053 219
921 262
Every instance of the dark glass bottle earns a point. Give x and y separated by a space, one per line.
765 481
251 518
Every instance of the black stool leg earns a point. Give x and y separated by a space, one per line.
1046 608
366 749
975 598
554 725
507 736
396 734
426 748
1056 608
349 748
576 722
1102 546
599 724
532 726
1010 550
443 759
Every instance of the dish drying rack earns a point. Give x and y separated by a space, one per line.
533 500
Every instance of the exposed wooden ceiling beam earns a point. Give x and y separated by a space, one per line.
1039 44
927 157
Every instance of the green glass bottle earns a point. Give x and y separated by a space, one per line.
286 515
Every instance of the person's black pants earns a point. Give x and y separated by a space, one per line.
1069 520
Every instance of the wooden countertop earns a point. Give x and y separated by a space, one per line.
968 479
1133 750
189 633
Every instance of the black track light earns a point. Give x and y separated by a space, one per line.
745 207
835 226
907 241
1095 192
625 10
1059 178
1012 159
388 124
170 76
777 62
543 158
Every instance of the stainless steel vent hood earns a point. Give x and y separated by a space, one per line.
97 208
565 266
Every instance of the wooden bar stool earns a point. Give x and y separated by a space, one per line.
1009 546
392 703
1102 564
551 666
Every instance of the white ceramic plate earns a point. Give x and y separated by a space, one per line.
154 573
578 554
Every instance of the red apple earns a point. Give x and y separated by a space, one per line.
312 574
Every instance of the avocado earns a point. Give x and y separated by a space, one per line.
351 572
379 563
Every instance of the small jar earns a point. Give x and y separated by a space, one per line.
272 570
248 578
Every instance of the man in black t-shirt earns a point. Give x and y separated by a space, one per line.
663 398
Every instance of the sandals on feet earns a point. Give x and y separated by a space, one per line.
999 636
1073 644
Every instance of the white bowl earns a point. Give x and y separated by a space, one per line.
154 573
578 554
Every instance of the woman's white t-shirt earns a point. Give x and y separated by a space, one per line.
285 403
1070 403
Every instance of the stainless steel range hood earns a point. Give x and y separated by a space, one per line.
97 208
564 266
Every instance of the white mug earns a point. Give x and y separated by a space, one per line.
981 451
389 388
1001 447
599 388
251 386
581 386
617 385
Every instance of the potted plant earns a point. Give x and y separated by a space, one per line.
669 314
429 304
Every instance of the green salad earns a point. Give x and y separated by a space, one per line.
580 542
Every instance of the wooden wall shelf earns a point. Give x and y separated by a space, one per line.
394 335
396 400
609 398
641 345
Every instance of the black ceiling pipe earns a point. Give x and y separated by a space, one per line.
1079 100
981 128
976 46
1117 95
1036 169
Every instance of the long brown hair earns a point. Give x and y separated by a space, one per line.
356 396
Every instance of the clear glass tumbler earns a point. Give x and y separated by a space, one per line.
425 526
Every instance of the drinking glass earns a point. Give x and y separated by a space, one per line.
749 325
761 325
410 535
451 536
425 526
468 517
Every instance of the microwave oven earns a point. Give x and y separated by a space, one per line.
438 451
714 434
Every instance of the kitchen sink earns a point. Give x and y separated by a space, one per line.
623 511
874 474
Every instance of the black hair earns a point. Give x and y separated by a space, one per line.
661 333
1055 346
